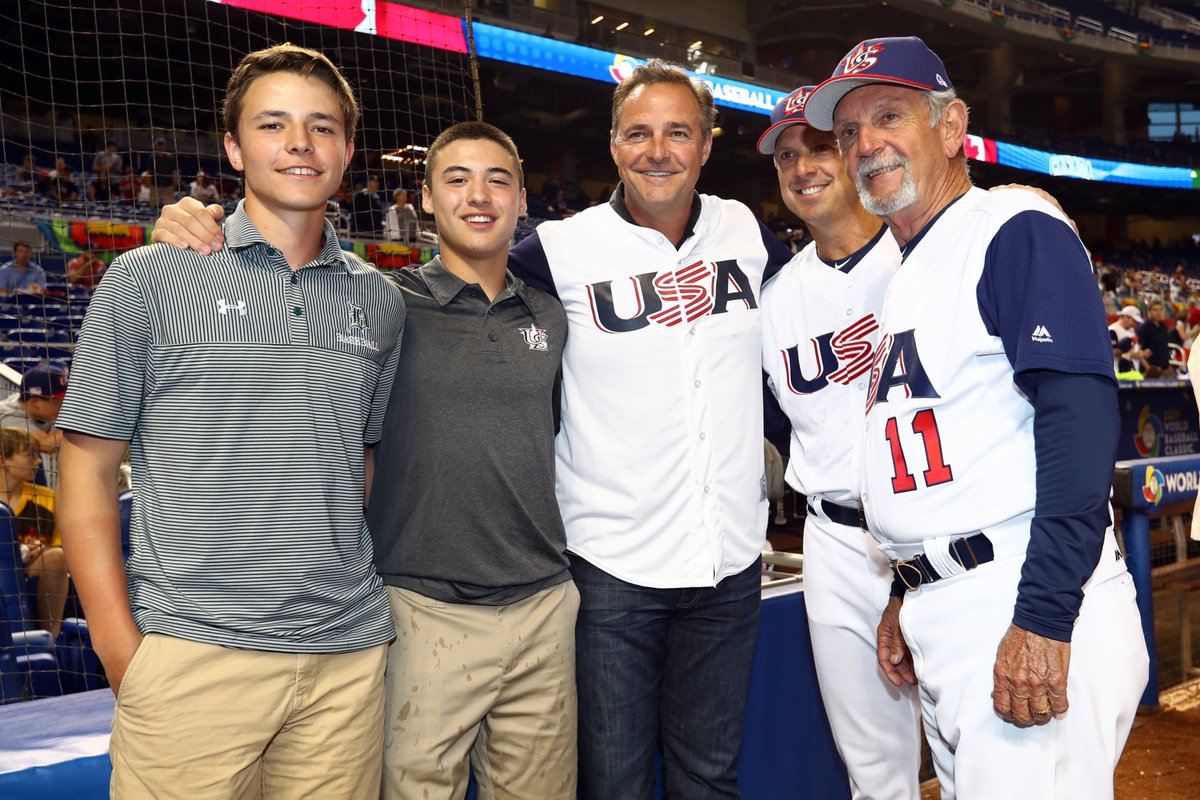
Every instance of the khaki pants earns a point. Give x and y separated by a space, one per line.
197 721
493 685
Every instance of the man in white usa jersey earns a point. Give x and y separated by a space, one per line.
988 451
820 328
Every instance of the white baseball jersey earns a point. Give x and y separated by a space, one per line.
820 328
948 443
661 477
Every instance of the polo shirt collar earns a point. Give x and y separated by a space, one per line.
617 201
240 234
444 285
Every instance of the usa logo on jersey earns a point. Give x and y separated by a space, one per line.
897 365
670 297
839 356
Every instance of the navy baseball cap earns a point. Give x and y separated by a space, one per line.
788 111
44 381
898 60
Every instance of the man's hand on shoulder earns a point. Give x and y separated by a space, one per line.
190 224
1030 678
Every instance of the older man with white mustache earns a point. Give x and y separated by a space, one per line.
988 451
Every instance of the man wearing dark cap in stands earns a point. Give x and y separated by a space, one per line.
164 167
34 407
988 450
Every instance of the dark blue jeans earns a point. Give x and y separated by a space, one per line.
662 667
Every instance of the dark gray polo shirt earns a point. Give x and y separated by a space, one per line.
462 507
248 392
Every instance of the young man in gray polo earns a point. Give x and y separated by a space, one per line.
248 651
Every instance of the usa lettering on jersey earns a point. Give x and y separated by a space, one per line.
897 365
669 298
839 356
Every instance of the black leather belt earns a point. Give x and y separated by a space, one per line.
969 551
844 515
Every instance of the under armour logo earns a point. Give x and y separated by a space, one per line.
224 306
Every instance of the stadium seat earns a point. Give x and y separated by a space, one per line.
29 652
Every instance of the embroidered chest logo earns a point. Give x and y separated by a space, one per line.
224 307
357 329
537 338
359 324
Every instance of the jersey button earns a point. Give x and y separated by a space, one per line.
297 310
702 436
295 279
707 489
272 252
849 312
492 336
697 384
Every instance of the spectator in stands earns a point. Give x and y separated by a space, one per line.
164 166
85 269
203 189
62 185
109 162
1129 361
259 625
31 179
402 224
145 188
367 215
1126 322
100 187
34 408
34 525
22 275
1154 340
1109 281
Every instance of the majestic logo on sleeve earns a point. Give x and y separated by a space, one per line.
839 357
897 365
685 294
863 58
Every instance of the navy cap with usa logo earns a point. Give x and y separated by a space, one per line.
898 60
44 381
788 111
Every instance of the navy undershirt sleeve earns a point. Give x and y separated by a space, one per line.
1037 293
527 261
778 253
1075 430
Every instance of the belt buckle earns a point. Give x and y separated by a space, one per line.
862 518
962 562
901 568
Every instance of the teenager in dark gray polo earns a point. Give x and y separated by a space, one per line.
468 537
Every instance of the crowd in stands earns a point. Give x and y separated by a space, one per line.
1154 311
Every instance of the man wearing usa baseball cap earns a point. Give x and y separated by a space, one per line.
987 454
899 60
34 408
833 291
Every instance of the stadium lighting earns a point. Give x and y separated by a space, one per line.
696 44
648 31
599 18
413 154
623 26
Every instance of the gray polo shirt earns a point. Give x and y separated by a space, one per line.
248 392
462 509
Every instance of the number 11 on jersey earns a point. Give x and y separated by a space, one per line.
925 424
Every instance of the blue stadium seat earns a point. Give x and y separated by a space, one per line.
30 652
